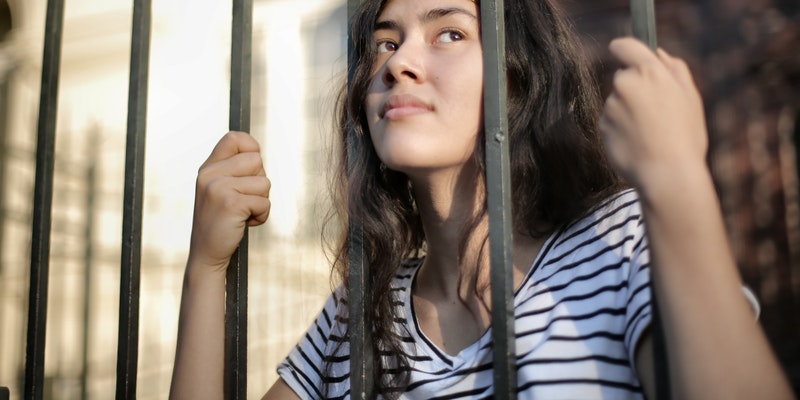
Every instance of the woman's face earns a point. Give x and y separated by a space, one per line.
424 104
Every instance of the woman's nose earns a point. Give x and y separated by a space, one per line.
405 63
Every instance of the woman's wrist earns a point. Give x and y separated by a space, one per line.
198 270
683 186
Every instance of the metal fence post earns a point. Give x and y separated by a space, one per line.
130 277
236 275
643 21
498 188
362 385
43 202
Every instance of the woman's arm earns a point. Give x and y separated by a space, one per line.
655 135
280 390
232 193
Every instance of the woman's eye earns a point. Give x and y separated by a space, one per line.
386 46
450 36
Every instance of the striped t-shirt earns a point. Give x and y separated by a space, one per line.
579 314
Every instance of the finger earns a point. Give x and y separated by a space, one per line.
677 68
618 101
609 123
258 208
631 52
252 185
231 144
241 164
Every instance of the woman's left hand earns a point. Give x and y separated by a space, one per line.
653 121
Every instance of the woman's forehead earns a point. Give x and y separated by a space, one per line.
397 8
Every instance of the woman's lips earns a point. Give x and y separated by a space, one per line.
404 105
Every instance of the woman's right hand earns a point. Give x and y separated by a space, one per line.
232 192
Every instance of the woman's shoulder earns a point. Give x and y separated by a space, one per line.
614 209
626 200
617 217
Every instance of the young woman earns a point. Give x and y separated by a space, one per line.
582 258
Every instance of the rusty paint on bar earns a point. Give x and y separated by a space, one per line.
498 186
236 276
43 202
362 385
128 345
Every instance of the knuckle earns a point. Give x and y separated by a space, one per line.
252 159
263 187
233 135
622 82
681 63
650 71
207 174
245 139
229 200
216 190
228 137
203 177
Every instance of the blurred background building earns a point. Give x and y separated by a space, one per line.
744 55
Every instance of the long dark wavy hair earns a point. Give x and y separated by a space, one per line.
558 166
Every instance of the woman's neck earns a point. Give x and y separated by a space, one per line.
456 233
450 205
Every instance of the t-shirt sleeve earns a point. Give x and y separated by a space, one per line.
638 315
304 369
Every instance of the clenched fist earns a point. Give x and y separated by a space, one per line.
232 193
653 122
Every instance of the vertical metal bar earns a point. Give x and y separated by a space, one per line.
43 202
362 385
130 277
361 355
236 276
498 187
643 20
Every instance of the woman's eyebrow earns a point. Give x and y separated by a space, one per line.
387 24
429 16
437 13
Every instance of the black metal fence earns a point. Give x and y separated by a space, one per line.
498 182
